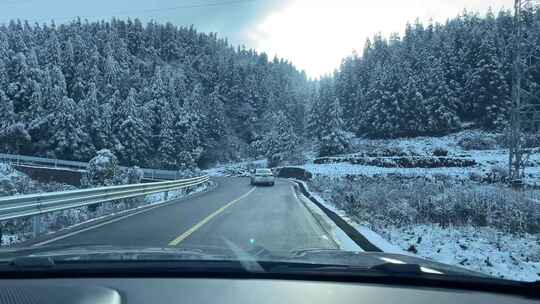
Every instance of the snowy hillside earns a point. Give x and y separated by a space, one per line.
491 159
464 216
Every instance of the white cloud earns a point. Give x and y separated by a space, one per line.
316 34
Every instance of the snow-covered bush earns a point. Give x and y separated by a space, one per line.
497 174
336 142
529 140
20 183
439 151
13 182
133 175
383 201
185 161
102 170
400 162
7 187
475 176
477 141
13 137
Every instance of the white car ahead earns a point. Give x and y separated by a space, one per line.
263 177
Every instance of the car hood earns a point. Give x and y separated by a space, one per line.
370 260
335 257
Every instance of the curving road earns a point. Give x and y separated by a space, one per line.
235 212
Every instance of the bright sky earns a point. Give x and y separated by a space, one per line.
314 34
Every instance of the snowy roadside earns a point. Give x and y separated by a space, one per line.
481 249
345 242
484 148
13 182
149 200
338 235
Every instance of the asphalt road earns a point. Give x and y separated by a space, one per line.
235 212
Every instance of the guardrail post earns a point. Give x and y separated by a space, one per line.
56 163
36 225
153 174
166 198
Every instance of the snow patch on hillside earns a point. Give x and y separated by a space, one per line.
343 169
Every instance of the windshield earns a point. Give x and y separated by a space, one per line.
333 132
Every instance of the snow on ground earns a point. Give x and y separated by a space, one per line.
342 169
425 145
236 169
338 235
7 172
486 160
483 249
10 239
373 237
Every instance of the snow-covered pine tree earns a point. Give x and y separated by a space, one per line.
282 142
347 83
186 162
167 149
313 125
415 113
7 122
215 117
108 137
319 112
7 111
154 108
131 133
441 102
190 124
334 140
488 89
89 113
53 51
383 97
68 139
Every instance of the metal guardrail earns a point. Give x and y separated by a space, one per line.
35 204
154 174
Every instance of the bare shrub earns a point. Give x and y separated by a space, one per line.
497 174
383 201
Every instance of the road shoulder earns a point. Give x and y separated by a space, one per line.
334 233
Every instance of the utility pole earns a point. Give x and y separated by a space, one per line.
514 136
520 110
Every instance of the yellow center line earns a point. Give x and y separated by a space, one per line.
189 232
